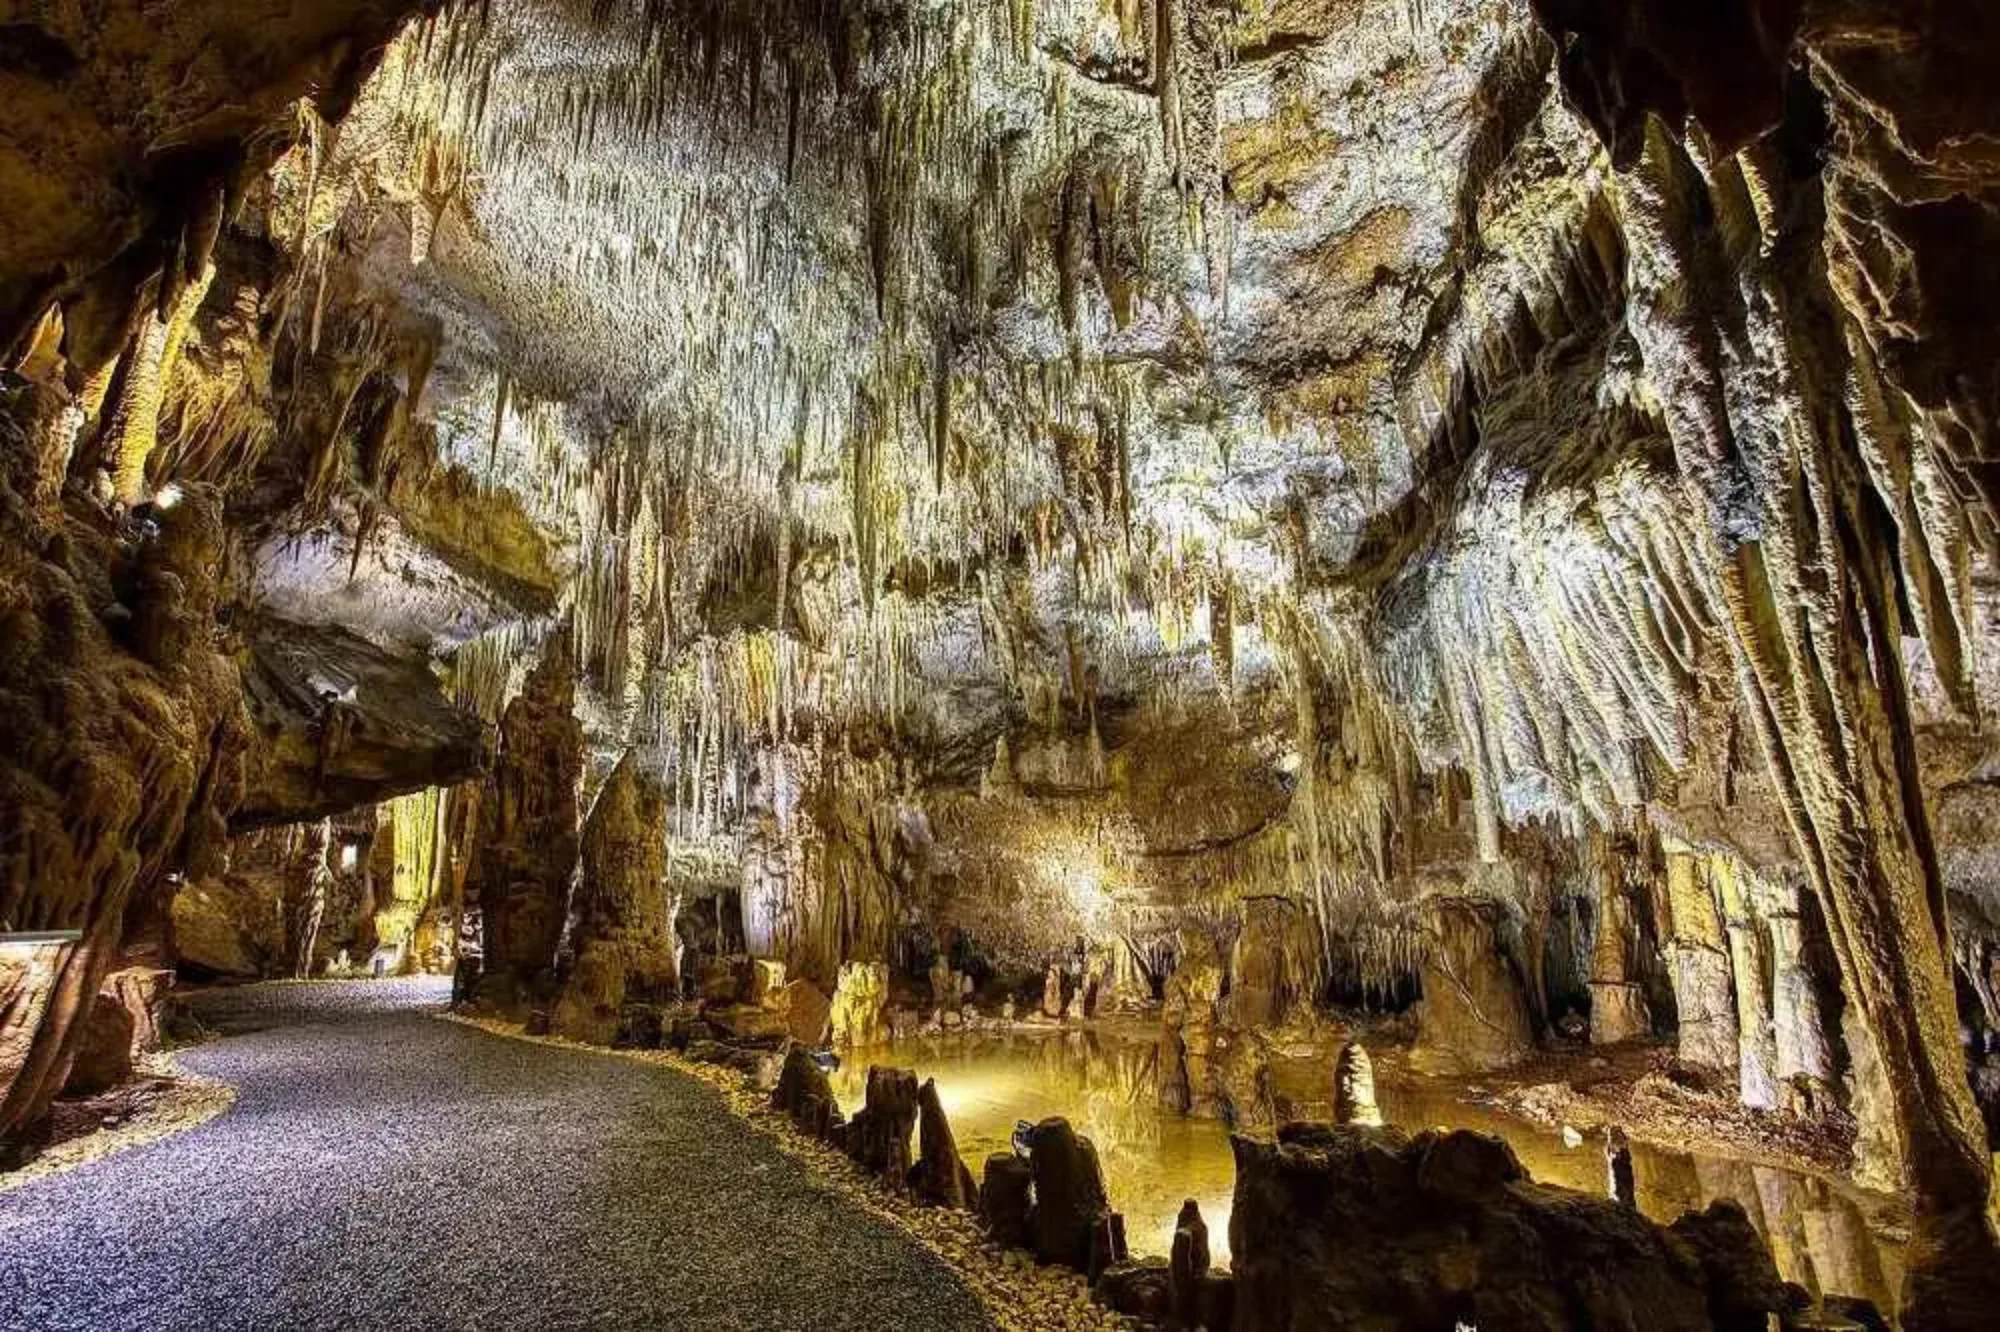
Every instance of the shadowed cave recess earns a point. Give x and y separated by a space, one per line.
1325 659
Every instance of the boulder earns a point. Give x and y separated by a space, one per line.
724 981
940 1176
1474 1015
861 1004
1465 1165
1439 1231
760 1067
750 1023
1006 1197
143 993
808 1012
640 1027
1141 1289
1070 1204
804 1095
878 1138
224 929
767 982
684 1029
104 1054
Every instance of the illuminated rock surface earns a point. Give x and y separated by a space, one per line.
1468 526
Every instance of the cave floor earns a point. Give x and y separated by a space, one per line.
383 1168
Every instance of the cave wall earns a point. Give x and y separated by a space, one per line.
1481 503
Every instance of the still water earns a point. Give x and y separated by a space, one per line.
1824 1235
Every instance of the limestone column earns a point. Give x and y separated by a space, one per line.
1805 1059
530 851
1618 1007
624 935
1756 1045
1698 959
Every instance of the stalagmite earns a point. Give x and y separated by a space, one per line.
623 942
878 1136
1618 1168
1462 526
528 850
1354 1088
940 1176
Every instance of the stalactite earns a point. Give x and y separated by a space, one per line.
1786 528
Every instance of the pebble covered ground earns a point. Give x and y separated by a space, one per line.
381 1168
163 1099
1019 1294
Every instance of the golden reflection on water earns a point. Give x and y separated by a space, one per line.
1154 1158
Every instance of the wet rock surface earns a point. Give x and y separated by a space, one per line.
363 1122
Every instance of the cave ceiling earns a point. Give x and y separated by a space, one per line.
1197 301
992 390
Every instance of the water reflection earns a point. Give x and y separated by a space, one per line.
1820 1232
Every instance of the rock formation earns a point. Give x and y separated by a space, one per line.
1354 1088
124 735
1474 515
1437 1231
804 1095
1070 1207
860 1005
1475 1011
528 843
940 1176
1006 1197
623 942
878 1136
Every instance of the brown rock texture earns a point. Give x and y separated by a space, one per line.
1370 1228
342 723
623 938
940 1176
1070 1207
1475 1009
878 1136
123 733
804 1094
528 846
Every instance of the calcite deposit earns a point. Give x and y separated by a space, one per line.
798 528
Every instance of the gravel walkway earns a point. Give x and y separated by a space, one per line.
382 1168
